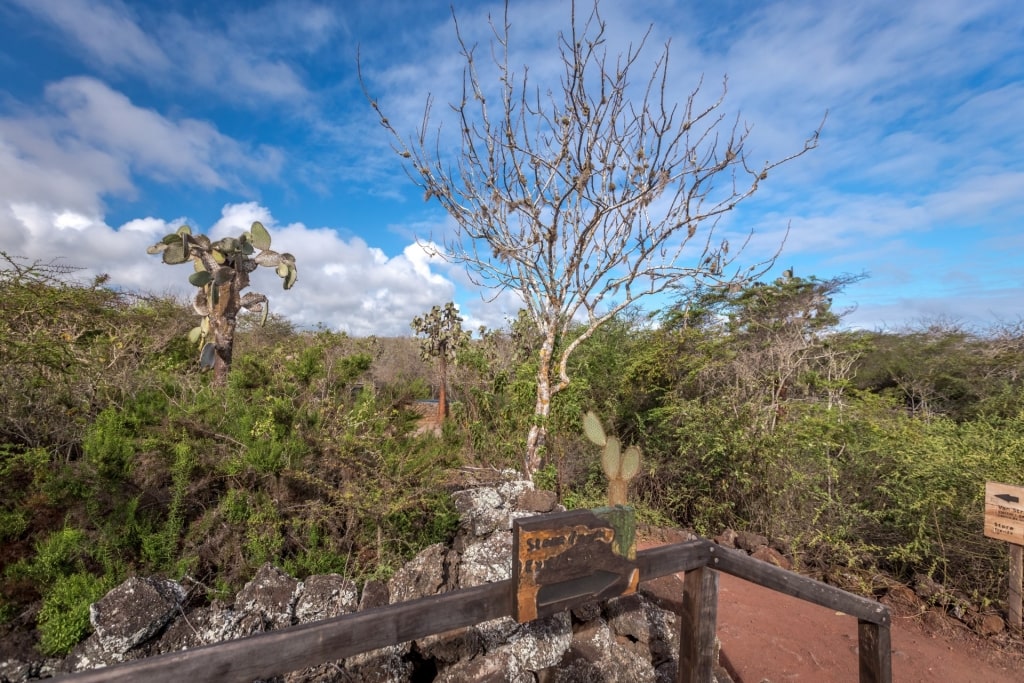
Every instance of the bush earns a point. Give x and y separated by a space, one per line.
931 500
64 618
61 553
108 445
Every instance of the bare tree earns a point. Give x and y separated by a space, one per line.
587 198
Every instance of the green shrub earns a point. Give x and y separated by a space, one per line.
61 553
308 366
264 538
15 461
931 499
64 617
318 553
7 611
13 524
108 445
159 547
235 506
546 478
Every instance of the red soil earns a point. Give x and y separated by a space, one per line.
768 635
771 637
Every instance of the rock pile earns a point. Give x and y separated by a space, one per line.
628 639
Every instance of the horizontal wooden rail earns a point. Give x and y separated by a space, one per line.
874 642
873 618
279 652
665 560
741 565
298 647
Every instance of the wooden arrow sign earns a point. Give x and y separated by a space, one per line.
1004 512
1004 519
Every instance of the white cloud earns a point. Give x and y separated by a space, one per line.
344 284
235 218
153 227
923 141
89 142
148 142
108 31
284 27
230 55
235 70
422 255
43 162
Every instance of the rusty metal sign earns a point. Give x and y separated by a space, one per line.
562 558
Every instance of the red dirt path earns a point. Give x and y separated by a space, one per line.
769 636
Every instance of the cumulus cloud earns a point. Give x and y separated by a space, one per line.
89 141
184 149
922 143
92 142
344 284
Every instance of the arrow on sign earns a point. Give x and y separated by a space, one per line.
1008 497
591 585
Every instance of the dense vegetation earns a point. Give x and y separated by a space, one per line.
862 451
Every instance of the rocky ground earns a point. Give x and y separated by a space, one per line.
765 636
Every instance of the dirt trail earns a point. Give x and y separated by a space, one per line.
770 636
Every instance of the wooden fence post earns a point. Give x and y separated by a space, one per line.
1016 573
698 622
875 652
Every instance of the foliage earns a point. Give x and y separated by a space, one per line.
299 460
64 617
931 500
62 553
307 459
69 349
944 369
107 445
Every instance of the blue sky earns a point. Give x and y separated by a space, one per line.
120 120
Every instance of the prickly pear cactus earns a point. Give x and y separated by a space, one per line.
618 466
443 337
221 273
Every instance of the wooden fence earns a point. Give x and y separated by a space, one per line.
290 649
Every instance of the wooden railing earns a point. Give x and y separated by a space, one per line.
279 652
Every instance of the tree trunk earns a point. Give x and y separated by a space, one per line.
223 320
534 445
442 394
541 411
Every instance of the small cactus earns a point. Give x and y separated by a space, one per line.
618 466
